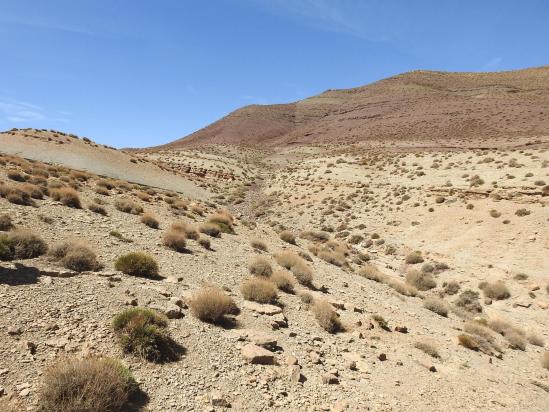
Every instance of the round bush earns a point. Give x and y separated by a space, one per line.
137 264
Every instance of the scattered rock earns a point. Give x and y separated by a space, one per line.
330 379
257 355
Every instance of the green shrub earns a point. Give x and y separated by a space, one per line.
137 264
143 332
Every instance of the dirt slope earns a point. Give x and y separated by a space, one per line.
438 108
69 150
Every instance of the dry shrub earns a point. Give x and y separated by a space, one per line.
21 244
315 236
150 220
89 384
15 195
371 272
427 347
36 192
260 266
468 342
187 229
420 280
451 288
175 240
514 335
144 333
306 297
94 207
75 256
66 195
496 290
143 196
5 223
484 337
212 305
284 281
331 257
303 273
137 264
287 259
468 300
107 184
223 220
205 243
414 258
258 245
437 305
17 176
287 237
259 290
102 191
209 229
128 206
326 316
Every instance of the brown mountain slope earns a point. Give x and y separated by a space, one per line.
422 106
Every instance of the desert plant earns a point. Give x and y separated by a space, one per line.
175 240
94 207
468 342
150 220
223 220
211 304
436 305
187 229
420 280
143 332
21 244
496 290
137 264
68 196
128 206
427 347
414 258
468 300
287 237
258 245
535 339
209 229
258 290
5 223
326 316
284 281
75 256
260 266
88 384
205 243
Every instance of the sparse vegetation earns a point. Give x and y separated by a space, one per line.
437 305
258 245
175 240
67 196
5 223
143 332
259 290
428 347
260 266
75 256
284 281
88 384
287 237
496 290
326 316
420 280
137 264
128 206
21 244
212 305
150 220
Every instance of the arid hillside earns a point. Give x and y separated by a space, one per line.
420 107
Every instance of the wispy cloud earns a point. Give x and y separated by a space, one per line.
345 16
14 111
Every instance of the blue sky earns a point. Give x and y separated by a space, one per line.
135 73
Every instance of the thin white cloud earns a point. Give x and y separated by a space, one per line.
14 111
345 16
